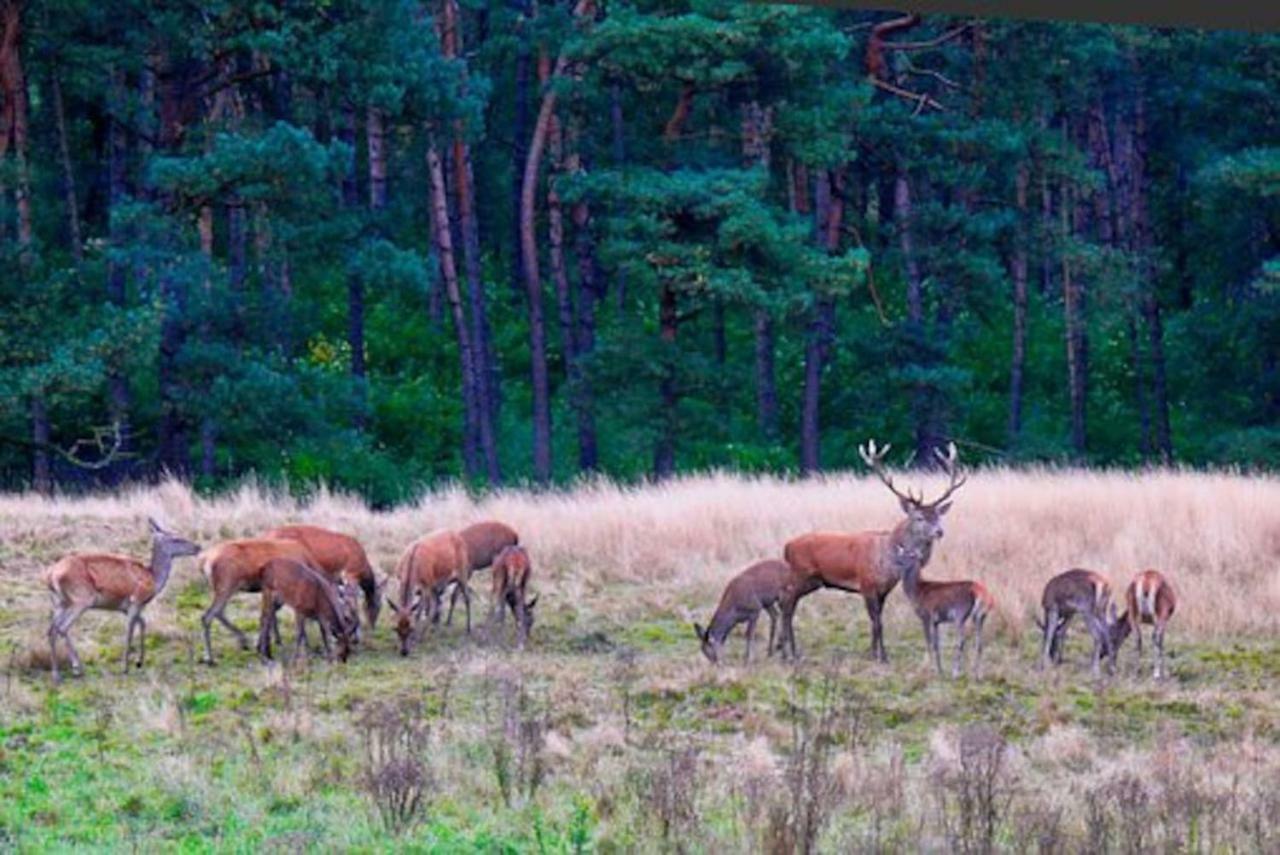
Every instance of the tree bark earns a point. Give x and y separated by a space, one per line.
13 84
117 154
588 295
74 240
519 148
757 126
376 139
1074 323
829 210
355 282
533 282
618 150
1018 360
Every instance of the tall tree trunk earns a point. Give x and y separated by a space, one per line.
41 471
1074 323
449 274
1018 360
533 281
588 295
74 239
117 154
519 134
618 149
555 242
208 427
829 210
355 282
376 139
757 127
664 452
13 84
923 396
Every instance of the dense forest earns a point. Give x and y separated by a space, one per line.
379 243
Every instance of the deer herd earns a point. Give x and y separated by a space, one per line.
323 576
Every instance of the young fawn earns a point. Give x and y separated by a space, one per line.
312 597
511 571
427 568
84 581
1149 599
762 586
1084 593
936 603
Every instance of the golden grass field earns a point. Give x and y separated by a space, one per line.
612 695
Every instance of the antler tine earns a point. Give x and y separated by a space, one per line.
875 462
957 474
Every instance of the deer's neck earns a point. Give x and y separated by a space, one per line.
905 548
161 566
722 622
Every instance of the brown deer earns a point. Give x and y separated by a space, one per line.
763 586
864 562
1150 599
427 568
234 566
83 581
341 558
511 572
936 603
312 597
1078 592
484 541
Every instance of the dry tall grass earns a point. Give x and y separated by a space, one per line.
631 550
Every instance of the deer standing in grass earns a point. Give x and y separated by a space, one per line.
83 581
937 603
1084 593
511 572
865 562
234 566
312 597
427 568
484 541
761 587
1150 599
341 558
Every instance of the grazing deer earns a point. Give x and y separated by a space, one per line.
342 559
236 565
312 597
1150 599
484 541
864 562
511 571
83 581
1087 594
762 586
428 566
937 603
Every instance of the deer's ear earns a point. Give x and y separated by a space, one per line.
942 509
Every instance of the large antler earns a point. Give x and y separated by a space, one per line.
948 462
874 458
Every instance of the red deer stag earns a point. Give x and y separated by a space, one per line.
234 566
761 587
312 597
341 558
1084 593
484 541
428 566
83 581
1150 599
937 603
511 572
864 562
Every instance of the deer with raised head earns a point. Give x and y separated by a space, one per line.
484 541
1084 593
511 571
86 580
865 562
427 568
235 566
962 603
1150 599
286 582
341 558
763 586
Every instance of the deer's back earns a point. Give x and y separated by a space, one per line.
485 540
338 555
241 561
1149 595
840 559
1076 589
511 567
102 577
433 559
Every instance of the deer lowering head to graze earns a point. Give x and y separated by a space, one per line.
83 581
341 558
511 572
484 541
236 565
1150 599
763 586
1084 593
863 562
937 603
427 568
312 597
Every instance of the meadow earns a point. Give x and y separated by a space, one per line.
611 733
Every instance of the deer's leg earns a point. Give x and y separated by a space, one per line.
300 646
131 623
453 601
772 608
215 612
324 640
1157 641
1048 651
466 601
875 604
962 631
977 637
750 633
69 616
53 642
142 639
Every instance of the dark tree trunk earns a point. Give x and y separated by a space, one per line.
41 471
13 88
588 294
74 239
117 154
519 135
766 378
376 139
1018 361
1073 314
355 282
619 154
829 212
664 453
926 438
